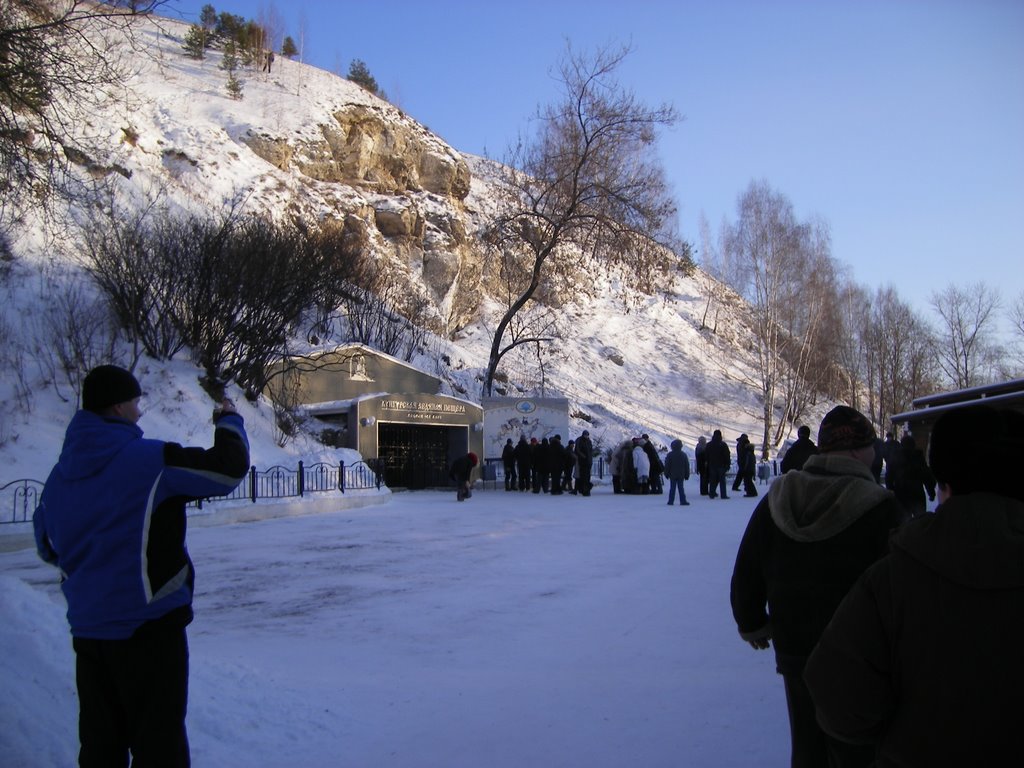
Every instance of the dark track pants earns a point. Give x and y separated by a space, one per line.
133 695
812 747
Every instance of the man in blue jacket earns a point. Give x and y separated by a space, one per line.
112 518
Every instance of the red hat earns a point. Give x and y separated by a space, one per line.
472 458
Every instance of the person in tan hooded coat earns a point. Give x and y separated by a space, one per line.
809 539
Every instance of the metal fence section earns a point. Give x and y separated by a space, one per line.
279 482
19 498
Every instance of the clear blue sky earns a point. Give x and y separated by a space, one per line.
900 122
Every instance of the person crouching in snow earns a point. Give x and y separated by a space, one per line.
462 472
677 469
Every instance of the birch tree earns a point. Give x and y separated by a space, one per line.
765 243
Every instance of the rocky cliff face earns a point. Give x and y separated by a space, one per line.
371 147
410 196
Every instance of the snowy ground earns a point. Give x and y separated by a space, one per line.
513 630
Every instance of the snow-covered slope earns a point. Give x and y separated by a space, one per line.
177 139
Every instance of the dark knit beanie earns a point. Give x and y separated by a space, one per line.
954 460
108 385
844 429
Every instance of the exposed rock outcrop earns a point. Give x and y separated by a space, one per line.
368 147
411 187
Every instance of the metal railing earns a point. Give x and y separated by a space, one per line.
19 498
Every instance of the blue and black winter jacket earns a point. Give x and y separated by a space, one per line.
112 518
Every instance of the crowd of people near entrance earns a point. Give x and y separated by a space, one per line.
547 466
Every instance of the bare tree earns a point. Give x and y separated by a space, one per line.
967 346
1017 316
900 356
716 273
79 332
234 289
380 311
853 308
809 353
587 186
766 242
59 59
272 25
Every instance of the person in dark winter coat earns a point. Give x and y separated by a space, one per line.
677 469
700 461
922 660
569 467
741 453
657 467
462 473
799 451
747 467
807 542
508 461
524 463
909 477
719 459
556 461
539 460
111 517
584 462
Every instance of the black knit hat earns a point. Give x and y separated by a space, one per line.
954 462
845 429
108 385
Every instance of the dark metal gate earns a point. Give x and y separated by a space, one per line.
416 455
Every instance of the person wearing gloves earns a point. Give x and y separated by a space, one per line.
922 660
807 542
111 517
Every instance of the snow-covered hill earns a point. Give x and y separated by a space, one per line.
304 143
